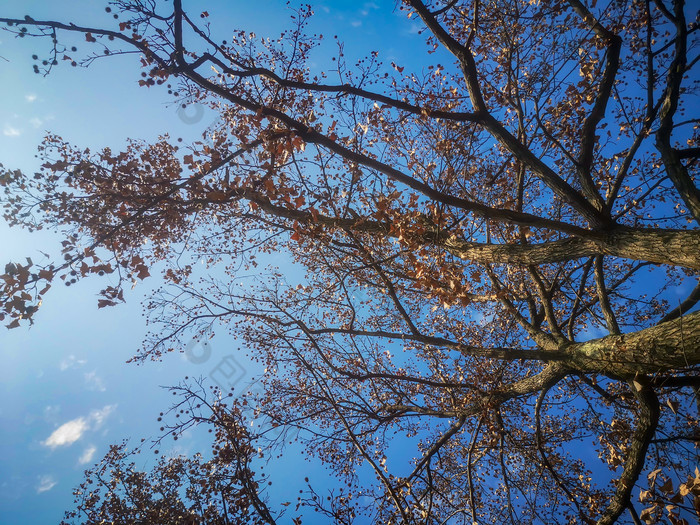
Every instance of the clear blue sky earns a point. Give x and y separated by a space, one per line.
65 390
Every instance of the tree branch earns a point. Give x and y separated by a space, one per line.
636 453
677 172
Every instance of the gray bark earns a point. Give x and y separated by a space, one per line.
673 345
673 247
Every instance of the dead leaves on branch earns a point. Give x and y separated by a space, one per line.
373 178
665 499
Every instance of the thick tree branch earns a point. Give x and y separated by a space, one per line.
673 345
675 247
588 133
684 307
547 378
604 298
647 422
506 354
677 172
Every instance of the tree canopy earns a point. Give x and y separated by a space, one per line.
491 246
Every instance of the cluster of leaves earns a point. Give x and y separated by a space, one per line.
667 500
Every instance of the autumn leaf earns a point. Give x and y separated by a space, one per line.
673 405
217 195
101 303
647 515
142 272
667 487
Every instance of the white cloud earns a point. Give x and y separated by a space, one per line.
67 433
87 455
70 432
94 382
9 131
71 362
46 483
30 97
355 23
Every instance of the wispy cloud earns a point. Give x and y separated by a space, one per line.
70 432
71 362
366 8
30 97
94 382
51 412
46 483
98 416
413 28
87 455
14 487
9 131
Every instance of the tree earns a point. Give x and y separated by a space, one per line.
490 243
179 490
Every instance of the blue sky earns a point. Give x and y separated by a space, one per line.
65 390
